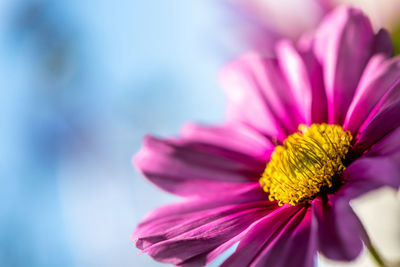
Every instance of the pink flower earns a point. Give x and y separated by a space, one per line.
307 132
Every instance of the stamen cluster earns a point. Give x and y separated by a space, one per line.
306 162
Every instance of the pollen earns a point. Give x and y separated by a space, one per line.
305 163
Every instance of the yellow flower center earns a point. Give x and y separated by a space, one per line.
305 163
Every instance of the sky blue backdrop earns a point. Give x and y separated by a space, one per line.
81 83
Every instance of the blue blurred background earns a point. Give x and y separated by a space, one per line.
81 83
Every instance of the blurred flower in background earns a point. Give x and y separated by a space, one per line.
262 22
383 13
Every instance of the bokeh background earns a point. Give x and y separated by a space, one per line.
81 83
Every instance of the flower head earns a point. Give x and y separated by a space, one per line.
306 163
307 131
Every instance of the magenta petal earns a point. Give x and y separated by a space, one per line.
369 173
380 78
319 111
198 235
266 243
296 73
387 146
343 44
172 225
259 96
304 76
338 229
242 194
295 246
383 44
209 256
235 137
190 167
151 232
204 238
302 244
378 127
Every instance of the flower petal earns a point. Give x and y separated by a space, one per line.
243 194
204 238
234 137
304 76
383 44
343 44
380 78
281 239
338 229
387 146
380 167
259 81
295 246
209 256
195 232
319 111
378 127
190 166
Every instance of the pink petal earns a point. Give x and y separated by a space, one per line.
234 137
295 246
259 96
380 167
378 127
209 256
296 73
283 238
383 44
301 246
204 238
193 166
369 174
319 111
187 236
387 146
380 78
243 194
338 229
344 43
